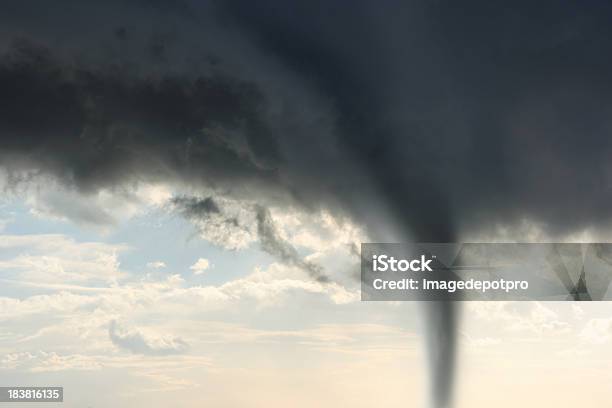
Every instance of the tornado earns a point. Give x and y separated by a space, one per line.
427 218
440 317
440 335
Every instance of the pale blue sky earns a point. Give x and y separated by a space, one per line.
84 310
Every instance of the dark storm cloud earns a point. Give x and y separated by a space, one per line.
96 126
193 207
460 114
450 117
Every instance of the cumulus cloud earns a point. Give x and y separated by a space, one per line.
275 285
138 342
58 258
86 275
200 266
58 303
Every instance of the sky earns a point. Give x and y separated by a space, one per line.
150 313
185 186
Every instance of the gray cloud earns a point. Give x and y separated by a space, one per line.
96 127
328 114
229 226
277 246
136 342
193 207
209 216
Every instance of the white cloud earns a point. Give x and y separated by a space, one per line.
43 361
318 232
200 266
156 265
531 317
52 361
56 303
480 342
597 331
48 198
138 342
169 321
57 258
273 292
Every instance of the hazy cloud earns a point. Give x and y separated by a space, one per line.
156 264
137 342
57 258
597 331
